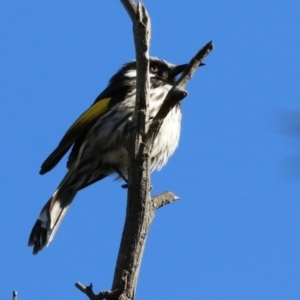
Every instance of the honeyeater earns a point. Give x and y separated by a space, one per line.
98 139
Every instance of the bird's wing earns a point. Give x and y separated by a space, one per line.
80 127
117 94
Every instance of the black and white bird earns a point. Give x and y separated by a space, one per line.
98 138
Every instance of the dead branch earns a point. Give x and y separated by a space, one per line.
107 295
130 7
163 199
139 213
177 93
140 206
15 295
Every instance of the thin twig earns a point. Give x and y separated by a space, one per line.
103 295
193 65
15 295
130 6
176 93
163 199
88 290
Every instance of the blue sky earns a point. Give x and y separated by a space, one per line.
235 232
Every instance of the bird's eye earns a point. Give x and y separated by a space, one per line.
154 69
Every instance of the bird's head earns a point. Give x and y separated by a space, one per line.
158 68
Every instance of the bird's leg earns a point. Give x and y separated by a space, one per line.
120 173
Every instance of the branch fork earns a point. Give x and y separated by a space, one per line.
141 206
117 294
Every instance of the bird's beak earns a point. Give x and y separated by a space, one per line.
179 69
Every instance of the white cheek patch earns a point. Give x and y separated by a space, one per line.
130 73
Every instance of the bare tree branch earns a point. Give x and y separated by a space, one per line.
139 213
88 290
193 65
130 6
163 199
176 93
140 206
108 295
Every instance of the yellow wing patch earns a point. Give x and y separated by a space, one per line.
95 111
77 130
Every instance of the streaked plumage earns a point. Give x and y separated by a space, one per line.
98 141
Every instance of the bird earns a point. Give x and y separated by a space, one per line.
98 139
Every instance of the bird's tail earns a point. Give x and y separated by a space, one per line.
50 218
